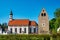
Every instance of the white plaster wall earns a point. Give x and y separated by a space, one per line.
18 29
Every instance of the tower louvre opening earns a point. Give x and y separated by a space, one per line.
42 14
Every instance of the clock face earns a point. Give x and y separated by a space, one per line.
43 24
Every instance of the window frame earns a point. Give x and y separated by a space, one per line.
34 30
20 30
11 30
15 30
24 30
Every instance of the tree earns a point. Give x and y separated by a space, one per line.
4 25
57 13
57 17
56 25
0 24
51 25
55 22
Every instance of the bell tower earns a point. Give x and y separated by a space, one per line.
11 16
43 23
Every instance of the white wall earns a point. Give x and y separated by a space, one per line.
18 29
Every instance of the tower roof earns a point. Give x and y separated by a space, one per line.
43 9
11 12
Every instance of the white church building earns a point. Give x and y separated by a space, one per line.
22 26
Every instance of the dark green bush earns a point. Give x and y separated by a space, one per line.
30 37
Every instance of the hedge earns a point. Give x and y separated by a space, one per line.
30 37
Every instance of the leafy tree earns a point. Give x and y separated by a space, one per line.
56 25
57 16
0 24
51 24
58 19
55 22
4 25
57 13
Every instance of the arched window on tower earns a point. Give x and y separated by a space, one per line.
41 14
44 14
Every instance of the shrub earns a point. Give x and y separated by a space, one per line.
30 37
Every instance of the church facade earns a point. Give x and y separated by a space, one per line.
25 26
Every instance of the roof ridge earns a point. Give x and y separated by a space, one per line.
21 19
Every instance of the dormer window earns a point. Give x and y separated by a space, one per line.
44 14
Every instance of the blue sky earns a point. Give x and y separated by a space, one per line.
27 9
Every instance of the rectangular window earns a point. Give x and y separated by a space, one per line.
11 30
15 30
29 30
34 30
20 30
24 30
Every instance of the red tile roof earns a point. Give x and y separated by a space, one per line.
18 22
33 23
22 22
